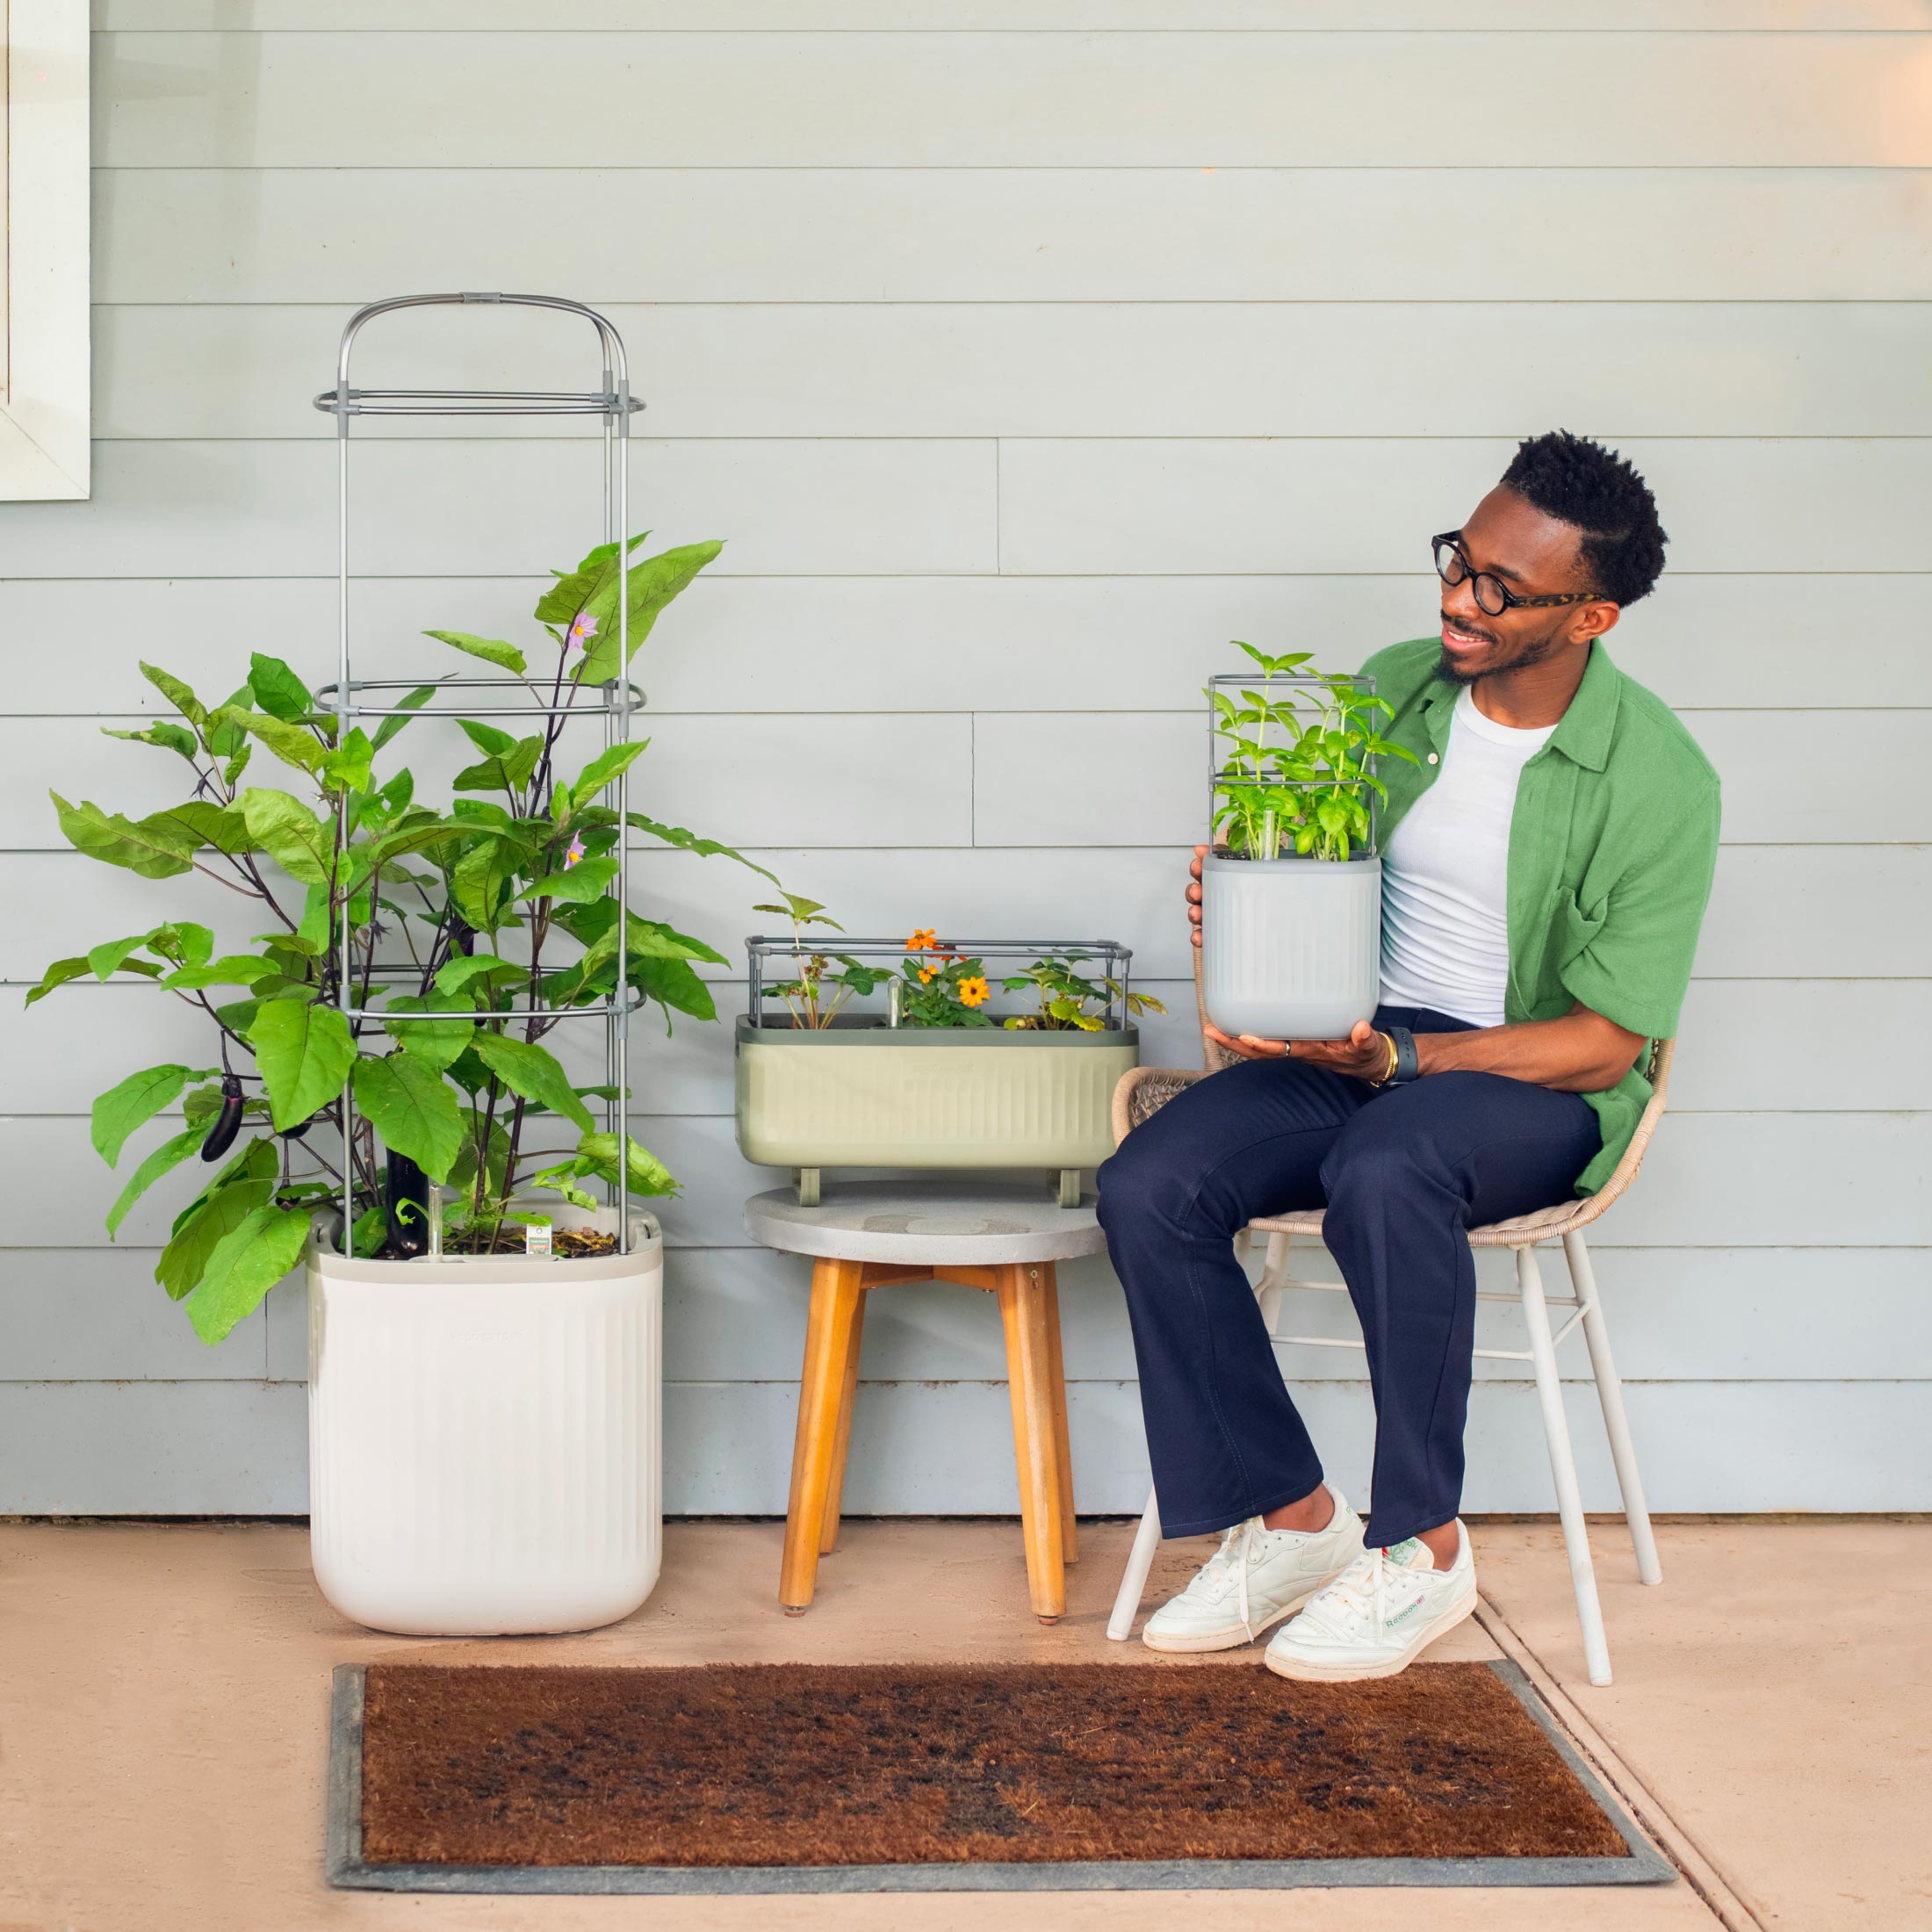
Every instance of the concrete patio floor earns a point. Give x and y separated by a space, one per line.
166 1694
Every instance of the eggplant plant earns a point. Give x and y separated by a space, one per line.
1307 791
503 899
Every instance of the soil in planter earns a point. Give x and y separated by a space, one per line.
567 1245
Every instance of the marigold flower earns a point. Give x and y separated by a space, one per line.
926 936
974 991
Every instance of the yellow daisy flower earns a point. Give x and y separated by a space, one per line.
974 991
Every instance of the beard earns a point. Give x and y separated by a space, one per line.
1452 670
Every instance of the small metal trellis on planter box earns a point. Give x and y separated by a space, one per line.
866 1091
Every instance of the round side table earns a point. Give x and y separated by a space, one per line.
870 1235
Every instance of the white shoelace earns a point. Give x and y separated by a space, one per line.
1361 1591
1214 1572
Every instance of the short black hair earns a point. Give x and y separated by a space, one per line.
1583 483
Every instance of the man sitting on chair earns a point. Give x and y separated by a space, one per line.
1546 865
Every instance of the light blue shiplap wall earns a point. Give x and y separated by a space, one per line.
1026 353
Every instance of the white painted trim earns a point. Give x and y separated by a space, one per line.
45 376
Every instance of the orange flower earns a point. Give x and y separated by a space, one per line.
922 939
927 975
974 991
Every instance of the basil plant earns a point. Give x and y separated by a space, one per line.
503 899
1308 792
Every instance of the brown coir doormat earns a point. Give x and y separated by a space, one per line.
815 1777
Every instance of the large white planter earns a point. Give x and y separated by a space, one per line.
1291 948
485 1437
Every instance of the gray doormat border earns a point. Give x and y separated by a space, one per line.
345 1867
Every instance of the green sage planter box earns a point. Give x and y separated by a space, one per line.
862 1093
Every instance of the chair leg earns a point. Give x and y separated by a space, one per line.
1120 1626
1610 1393
1569 1501
835 1294
1023 1308
1063 1439
1273 1272
828 1536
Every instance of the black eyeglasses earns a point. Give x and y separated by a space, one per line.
1494 596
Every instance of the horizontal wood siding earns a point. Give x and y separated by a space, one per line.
1023 354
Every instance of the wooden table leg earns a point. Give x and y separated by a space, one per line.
1062 1440
830 1345
828 1536
1029 1377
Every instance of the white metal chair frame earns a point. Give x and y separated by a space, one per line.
1565 1222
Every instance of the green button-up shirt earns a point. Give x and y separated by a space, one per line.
1612 849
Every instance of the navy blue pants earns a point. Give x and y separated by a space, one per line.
1402 1172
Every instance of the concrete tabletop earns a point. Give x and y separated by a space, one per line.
966 1222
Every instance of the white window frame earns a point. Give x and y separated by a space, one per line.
44 348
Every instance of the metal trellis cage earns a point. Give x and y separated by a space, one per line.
351 698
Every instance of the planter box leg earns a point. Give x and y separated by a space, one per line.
1070 1186
806 1180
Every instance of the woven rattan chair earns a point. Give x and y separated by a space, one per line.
1143 1091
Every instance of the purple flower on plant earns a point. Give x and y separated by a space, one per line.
582 630
576 852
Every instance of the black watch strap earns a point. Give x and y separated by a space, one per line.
1407 1064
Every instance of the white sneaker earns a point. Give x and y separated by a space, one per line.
1375 1619
1256 1578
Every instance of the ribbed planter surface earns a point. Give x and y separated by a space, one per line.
927 1097
485 1449
1291 948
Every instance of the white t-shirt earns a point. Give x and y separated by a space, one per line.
1446 925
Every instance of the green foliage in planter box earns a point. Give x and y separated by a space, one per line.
502 899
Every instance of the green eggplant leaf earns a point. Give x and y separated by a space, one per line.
509 770
652 585
411 1106
436 1042
608 764
277 690
673 983
689 841
168 1155
597 1154
244 1264
201 822
490 649
578 589
144 849
346 767
292 744
135 1101
405 707
56 975
173 738
582 882
177 693
303 1052
532 1071
487 739
186 1257
232 970
303 845
455 974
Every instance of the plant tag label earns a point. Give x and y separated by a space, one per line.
536 1239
